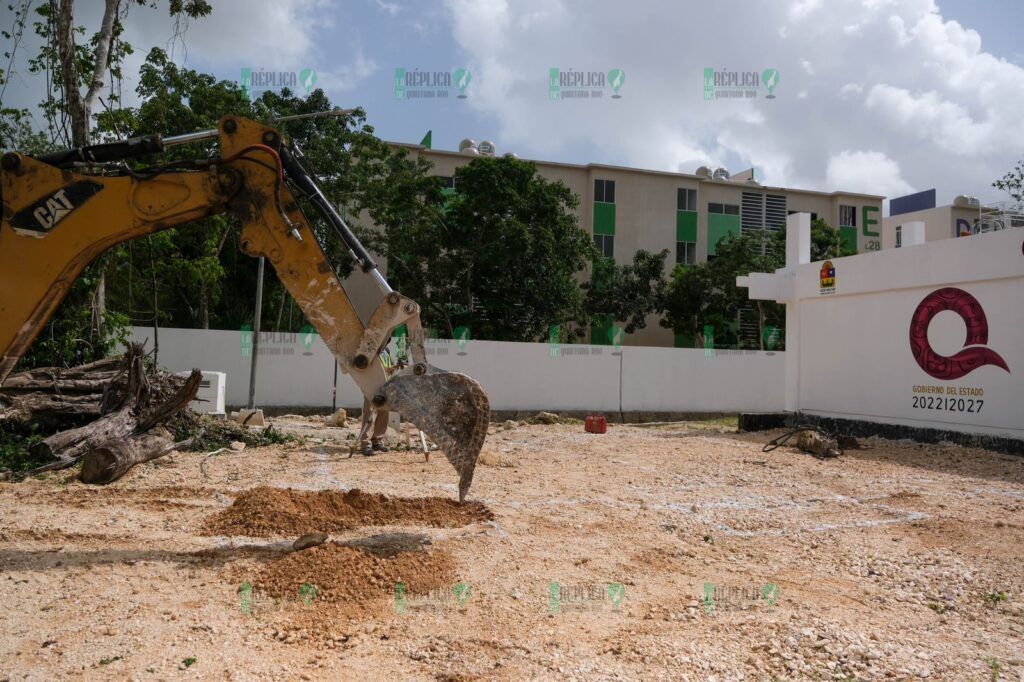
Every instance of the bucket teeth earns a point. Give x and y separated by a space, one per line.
451 408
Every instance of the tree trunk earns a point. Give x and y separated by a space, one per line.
113 459
130 405
99 304
79 107
66 447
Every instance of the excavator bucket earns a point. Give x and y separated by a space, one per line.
451 408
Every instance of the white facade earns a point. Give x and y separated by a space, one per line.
929 335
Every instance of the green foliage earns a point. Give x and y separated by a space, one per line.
503 253
1013 182
220 433
71 337
706 294
14 448
629 293
826 243
993 598
995 668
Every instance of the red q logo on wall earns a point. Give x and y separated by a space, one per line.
966 360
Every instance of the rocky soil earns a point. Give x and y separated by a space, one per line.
674 552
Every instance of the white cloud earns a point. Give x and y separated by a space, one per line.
851 89
867 171
898 90
388 7
273 34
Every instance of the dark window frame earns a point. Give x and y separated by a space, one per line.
686 199
689 253
853 212
605 244
604 191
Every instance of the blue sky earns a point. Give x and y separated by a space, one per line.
880 96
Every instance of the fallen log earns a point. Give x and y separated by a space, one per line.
113 459
51 397
131 405
46 409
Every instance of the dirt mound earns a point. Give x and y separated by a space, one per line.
263 511
342 574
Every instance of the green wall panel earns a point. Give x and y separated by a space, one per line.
604 218
686 226
849 237
720 226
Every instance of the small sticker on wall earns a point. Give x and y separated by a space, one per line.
827 278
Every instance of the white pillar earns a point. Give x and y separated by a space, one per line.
798 252
798 239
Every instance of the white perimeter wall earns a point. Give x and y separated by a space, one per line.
516 376
848 349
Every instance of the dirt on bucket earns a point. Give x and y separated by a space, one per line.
265 511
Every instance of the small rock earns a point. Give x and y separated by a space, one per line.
339 418
545 418
309 540
237 445
250 418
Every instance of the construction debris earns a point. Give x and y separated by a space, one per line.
818 444
249 417
545 418
811 439
115 407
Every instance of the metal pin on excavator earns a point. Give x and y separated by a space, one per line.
62 210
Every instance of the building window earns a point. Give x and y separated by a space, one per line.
899 236
686 199
686 253
447 181
727 209
847 216
604 191
606 244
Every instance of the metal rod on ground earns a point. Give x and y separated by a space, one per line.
256 334
334 391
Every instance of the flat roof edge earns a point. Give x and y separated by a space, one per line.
690 176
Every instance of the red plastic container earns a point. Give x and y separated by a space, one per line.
596 423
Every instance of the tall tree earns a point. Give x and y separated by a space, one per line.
499 258
628 293
705 295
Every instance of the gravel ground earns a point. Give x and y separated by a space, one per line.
673 552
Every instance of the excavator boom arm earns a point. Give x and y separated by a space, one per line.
55 222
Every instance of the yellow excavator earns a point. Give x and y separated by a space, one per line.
63 209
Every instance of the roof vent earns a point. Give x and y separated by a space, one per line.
721 174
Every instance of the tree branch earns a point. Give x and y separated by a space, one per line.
102 50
